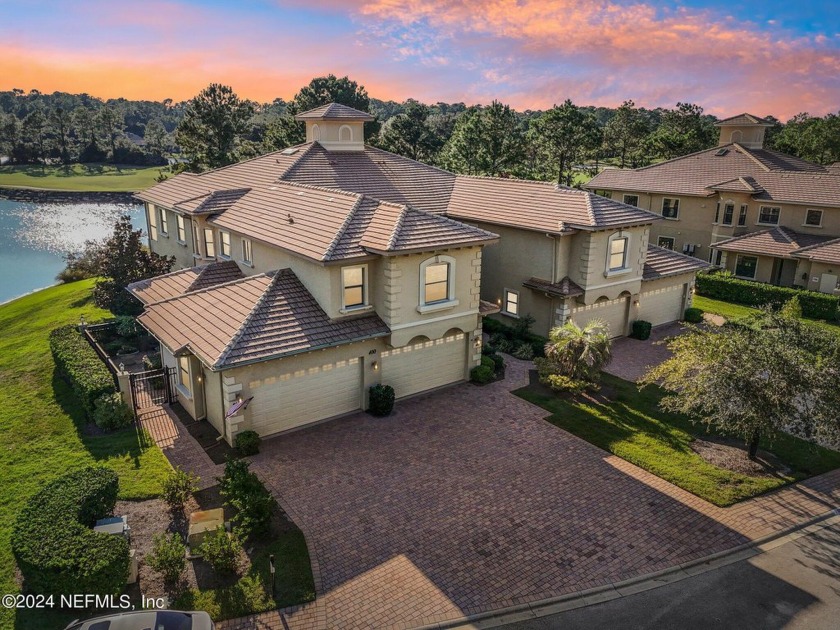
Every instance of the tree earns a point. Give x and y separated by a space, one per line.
111 123
60 119
213 125
755 378
155 137
463 151
682 131
10 136
409 134
625 131
811 138
560 136
502 149
35 129
331 89
122 259
83 124
575 356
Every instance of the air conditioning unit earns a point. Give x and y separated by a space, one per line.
117 525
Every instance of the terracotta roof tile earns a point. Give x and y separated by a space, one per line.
780 242
743 119
827 252
183 281
565 288
334 111
487 308
661 263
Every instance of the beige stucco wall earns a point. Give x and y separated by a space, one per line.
588 264
329 134
168 244
213 399
193 400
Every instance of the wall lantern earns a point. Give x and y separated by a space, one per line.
635 302
375 366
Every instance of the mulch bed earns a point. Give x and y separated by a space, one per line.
732 454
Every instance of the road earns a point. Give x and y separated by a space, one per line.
795 586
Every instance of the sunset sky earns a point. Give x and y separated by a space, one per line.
767 57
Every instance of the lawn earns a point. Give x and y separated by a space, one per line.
631 426
81 177
733 311
40 420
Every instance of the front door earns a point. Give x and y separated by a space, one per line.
828 282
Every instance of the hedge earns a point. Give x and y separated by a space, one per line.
78 362
722 287
57 551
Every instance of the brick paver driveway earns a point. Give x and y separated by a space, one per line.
466 500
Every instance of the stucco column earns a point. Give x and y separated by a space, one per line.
230 393
562 313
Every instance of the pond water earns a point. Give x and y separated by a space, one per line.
34 237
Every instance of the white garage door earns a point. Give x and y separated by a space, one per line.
663 305
421 366
613 313
297 398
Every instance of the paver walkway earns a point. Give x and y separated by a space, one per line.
632 358
467 501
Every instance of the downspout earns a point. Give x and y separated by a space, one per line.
553 279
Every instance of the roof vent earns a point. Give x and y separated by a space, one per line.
721 152
290 151
291 220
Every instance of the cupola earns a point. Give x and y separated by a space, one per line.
336 127
745 129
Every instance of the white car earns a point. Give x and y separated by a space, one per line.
148 620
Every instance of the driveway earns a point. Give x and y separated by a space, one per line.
632 357
465 500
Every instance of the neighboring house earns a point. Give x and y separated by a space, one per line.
740 206
306 275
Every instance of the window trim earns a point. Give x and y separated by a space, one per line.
164 222
726 206
812 225
222 234
609 270
505 301
365 289
449 301
778 216
196 240
624 200
211 242
247 260
738 260
668 238
181 227
742 215
186 388
153 222
676 217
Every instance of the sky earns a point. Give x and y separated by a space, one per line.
767 57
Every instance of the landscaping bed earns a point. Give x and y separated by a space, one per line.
628 423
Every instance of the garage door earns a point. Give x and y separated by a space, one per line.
298 398
663 305
422 366
613 313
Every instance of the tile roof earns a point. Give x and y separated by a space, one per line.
261 317
827 252
487 308
183 281
565 288
771 173
780 242
743 119
661 263
539 206
334 111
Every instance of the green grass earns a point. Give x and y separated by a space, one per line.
252 593
729 310
81 177
632 426
40 419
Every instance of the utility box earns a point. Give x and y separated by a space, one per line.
202 522
114 525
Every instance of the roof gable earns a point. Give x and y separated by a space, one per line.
334 111
184 281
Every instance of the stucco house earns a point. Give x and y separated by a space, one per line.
759 213
304 276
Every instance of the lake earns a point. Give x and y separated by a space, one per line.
34 237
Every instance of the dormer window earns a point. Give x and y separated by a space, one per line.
437 284
354 287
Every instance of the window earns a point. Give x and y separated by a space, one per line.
345 134
742 215
184 372
618 254
247 252
813 218
717 257
164 222
353 281
666 241
728 213
768 215
196 241
436 283
182 229
603 193
670 208
224 244
631 200
209 243
745 267
511 303
153 234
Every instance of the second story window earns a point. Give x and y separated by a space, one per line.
742 215
617 260
511 303
153 233
728 213
670 208
768 215
247 252
209 243
164 222
436 283
196 240
353 281
631 200
224 244
182 229
813 218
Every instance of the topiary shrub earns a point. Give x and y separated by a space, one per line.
244 492
168 557
381 400
178 486
693 315
641 329
77 362
110 412
482 374
57 551
221 550
247 442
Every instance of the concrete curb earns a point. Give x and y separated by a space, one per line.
631 586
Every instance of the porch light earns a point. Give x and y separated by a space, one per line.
375 366
81 320
635 302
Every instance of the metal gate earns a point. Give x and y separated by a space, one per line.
152 388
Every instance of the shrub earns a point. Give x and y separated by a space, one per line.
110 412
488 349
504 345
491 326
168 557
524 351
52 540
561 383
126 326
498 362
381 401
497 338
77 361
730 289
152 362
641 329
693 315
247 442
177 488
488 361
482 374
221 550
244 492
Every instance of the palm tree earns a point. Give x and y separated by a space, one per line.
578 353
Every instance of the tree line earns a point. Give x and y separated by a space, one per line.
217 127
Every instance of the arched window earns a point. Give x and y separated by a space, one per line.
345 133
437 282
316 132
736 136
